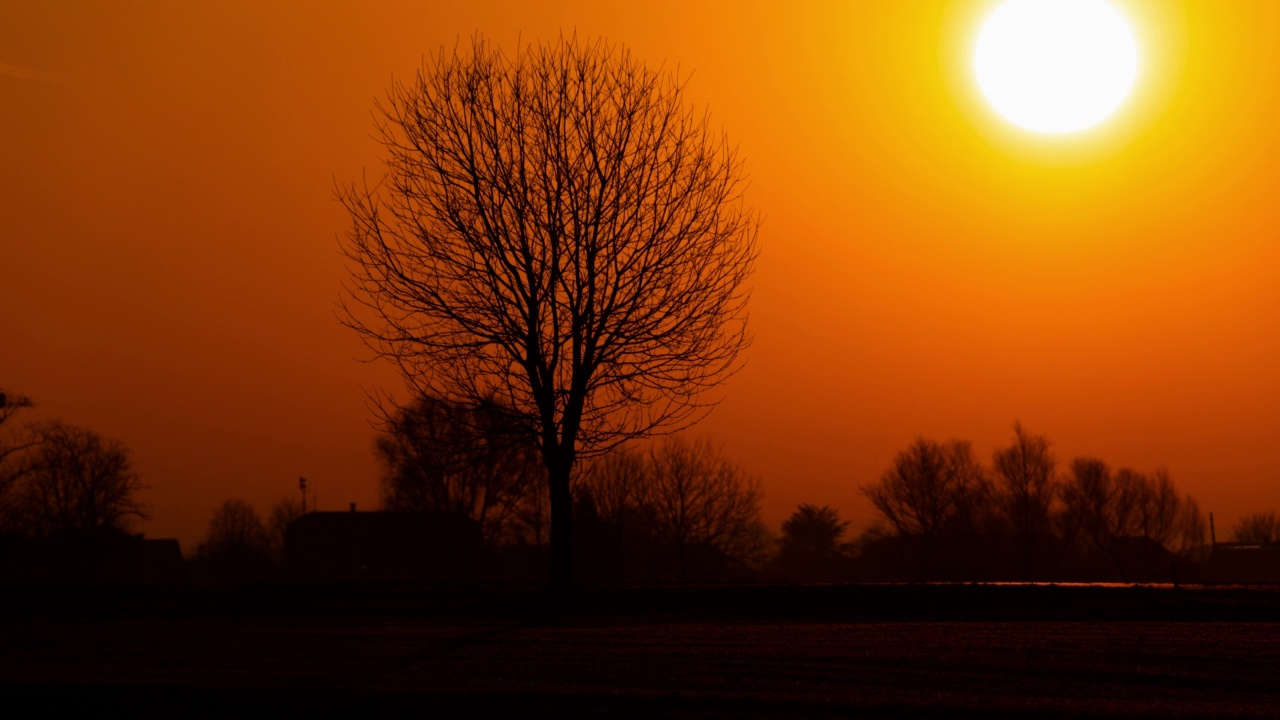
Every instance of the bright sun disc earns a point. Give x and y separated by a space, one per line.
1056 66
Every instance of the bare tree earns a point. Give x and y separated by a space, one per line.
78 480
1147 505
1024 493
618 486
11 404
1259 528
1088 496
682 504
462 460
558 231
933 490
285 511
12 446
704 507
1191 529
1101 506
1025 488
235 527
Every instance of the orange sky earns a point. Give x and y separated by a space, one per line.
170 265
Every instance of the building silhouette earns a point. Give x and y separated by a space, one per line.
382 546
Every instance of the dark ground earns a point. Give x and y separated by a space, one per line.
834 651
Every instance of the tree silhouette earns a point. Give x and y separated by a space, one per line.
810 547
613 493
682 510
558 232
11 449
77 480
1088 497
1025 487
1259 528
937 497
705 509
285 511
1102 508
235 527
11 404
932 490
463 460
1028 522
619 487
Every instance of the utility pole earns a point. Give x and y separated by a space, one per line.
302 486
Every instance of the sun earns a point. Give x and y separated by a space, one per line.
1056 66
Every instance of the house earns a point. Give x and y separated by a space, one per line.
98 557
1244 563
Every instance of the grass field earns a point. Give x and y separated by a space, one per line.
909 651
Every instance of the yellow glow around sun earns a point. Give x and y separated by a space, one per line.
1056 66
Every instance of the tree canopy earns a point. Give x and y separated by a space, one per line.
560 232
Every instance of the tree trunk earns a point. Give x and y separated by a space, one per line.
561 527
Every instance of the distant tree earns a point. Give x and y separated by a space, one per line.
706 510
558 229
464 460
933 491
282 513
11 404
810 548
531 525
77 480
1088 497
235 527
13 445
682 506
619 487
1190 538
1101 507
1147 506
1260 528
1025 485
615 520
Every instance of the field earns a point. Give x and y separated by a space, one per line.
888 651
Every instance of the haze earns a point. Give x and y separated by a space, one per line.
170 263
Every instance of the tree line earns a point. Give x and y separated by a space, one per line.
1027 517
676 510
679 510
